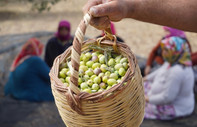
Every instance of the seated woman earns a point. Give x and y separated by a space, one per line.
29 76
169 89
155 54
59 43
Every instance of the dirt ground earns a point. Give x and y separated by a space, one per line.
17 17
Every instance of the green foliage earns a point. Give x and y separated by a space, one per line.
42 5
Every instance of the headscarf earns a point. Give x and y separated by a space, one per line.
174 32
177 51
113 29
66 24
32 47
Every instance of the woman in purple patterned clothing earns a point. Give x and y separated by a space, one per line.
169 90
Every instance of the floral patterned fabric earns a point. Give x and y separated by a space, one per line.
161 112
176 51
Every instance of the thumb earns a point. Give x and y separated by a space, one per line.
101 10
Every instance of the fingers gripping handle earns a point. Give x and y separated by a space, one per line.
76 52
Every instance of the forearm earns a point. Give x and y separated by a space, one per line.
179 14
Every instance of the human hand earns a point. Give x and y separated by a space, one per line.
144 78
146 98
104 11
147 70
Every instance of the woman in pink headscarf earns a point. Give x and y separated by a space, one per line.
59 43
155 54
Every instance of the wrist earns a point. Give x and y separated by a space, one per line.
131 7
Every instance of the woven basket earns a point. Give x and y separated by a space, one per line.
119 106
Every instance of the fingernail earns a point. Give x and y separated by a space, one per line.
93 10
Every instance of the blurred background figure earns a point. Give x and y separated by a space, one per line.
169 90
156 56
113 30
59 43
29 79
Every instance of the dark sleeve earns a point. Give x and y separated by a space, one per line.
41 68
120 39
48 58
152 55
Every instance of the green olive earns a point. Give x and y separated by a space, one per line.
103 68
102 85
102 59
83 67
87 90
79 81
84 85
68 73
121 71
88 55
89 72
111 82
116 72
100 90
82 63
123 60
118 58
65 70
89 64
111 62
62 74
86 77
62 79
95 86
107 73
92 77
125 65
97 53
66 84
81 57
118 81
100 55
113 76
90 83
85 58
96 65
95 58
118 66
81 72
101 75
68 79
97 80
94 54
104 79
97 71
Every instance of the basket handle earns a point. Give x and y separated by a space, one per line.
76 51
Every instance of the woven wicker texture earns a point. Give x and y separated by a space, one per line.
119 106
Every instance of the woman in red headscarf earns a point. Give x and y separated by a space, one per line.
59 43
29 79
155 54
